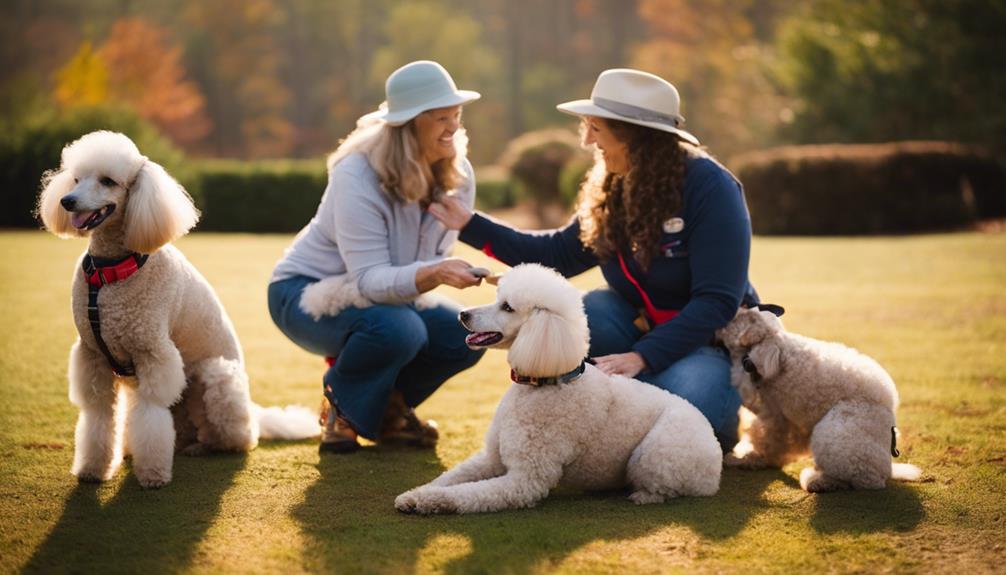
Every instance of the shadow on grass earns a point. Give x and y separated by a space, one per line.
352 524
138 530
895 508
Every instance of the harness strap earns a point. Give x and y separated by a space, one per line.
99 272
657 316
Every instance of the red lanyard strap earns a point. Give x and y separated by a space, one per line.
657 316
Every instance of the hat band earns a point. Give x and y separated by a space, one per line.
635 112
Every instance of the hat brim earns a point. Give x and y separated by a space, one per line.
399 117
589 108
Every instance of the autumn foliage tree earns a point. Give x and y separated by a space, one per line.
146 72
137 65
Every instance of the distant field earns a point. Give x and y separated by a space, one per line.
931 308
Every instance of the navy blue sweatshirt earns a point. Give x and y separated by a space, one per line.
701 269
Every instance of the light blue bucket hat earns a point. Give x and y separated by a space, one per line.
635 97
415 88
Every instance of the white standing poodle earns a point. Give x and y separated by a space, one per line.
566 422
813 394
150 325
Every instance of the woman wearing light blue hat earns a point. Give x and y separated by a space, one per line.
669 228
387 354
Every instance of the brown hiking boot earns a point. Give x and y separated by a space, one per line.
402 427
337 434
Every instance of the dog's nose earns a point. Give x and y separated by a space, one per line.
68 203
464 316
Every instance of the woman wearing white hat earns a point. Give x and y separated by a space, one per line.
372 225
669 227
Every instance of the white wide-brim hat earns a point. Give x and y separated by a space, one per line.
635 97
415 88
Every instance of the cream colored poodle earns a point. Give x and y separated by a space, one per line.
566 422
813 394
162 341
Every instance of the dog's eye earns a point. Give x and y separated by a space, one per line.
106 181
506 307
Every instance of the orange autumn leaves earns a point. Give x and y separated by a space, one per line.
137 65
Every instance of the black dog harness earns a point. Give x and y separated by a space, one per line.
567 377
100 272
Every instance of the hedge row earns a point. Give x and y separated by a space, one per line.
265 196
870 189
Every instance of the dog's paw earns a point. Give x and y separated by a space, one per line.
89 477
645 497
153 478
195 450
814 481
406 502
429 501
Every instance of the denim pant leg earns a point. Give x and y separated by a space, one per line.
703 378
373 344
609 318
444 355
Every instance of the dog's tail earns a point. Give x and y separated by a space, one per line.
905 472
290 422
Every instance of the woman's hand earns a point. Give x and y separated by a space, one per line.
451 212
454 272
627 364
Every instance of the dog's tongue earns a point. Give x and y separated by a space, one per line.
483 338
80 219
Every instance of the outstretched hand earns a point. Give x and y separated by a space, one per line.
451 212
627 364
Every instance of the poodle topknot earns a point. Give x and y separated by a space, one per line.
582 429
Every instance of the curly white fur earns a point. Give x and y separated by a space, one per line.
598 432
165 319
329 296
815 395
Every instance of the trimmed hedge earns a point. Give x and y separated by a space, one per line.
536 161
493 188
871 188
271 196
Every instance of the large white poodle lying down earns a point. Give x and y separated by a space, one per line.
154 329
566 422
809 393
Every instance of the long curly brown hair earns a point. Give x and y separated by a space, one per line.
627 212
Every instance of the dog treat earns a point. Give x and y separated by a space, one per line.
480 272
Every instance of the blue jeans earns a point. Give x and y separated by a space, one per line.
377 349
702 377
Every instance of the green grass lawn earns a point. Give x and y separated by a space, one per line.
932 309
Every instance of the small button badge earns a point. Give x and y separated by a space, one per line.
674 225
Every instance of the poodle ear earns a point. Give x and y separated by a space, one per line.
55 185
548 344
767 357
758 325
159 210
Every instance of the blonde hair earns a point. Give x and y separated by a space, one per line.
393 152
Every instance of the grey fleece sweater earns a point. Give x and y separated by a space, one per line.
360 230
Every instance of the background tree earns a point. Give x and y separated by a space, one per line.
899 69
146 72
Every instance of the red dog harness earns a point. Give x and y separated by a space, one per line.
100 272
